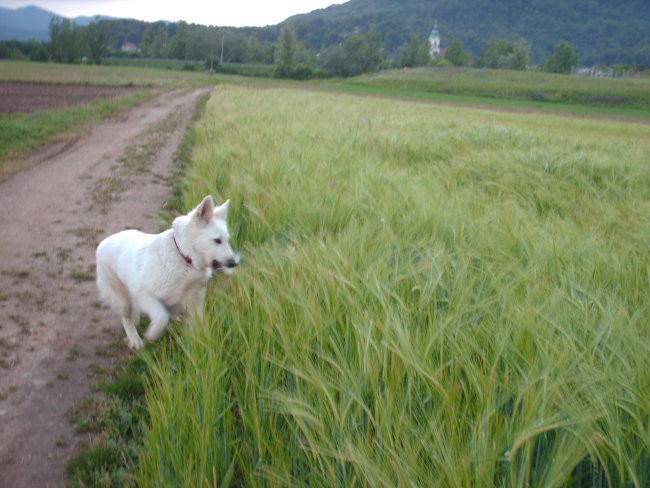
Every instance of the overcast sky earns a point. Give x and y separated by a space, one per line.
212 12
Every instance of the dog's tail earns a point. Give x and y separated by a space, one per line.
113 293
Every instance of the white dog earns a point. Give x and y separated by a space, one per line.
162 274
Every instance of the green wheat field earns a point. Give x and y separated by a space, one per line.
429 296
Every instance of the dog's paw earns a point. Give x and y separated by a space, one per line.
135 343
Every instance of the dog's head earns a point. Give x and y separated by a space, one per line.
205 230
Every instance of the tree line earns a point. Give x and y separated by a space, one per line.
604 32
291 58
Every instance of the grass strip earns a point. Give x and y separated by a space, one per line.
116 419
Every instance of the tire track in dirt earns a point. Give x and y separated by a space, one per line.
52 332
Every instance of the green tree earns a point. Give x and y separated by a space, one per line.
331 61
416 52
147 42
357 54
177 48
285 57
96 35
563 60
362 54
55 29
23 50
456 54
39 53
160 41
66 41
502 54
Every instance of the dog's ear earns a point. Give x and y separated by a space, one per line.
204 211
221 212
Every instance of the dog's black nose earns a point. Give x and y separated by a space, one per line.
231 263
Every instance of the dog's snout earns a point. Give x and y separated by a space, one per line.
232 262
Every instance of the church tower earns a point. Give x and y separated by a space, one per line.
434 42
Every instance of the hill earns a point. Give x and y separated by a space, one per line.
27 23
602 31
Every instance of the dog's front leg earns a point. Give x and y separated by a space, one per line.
132 337
158 314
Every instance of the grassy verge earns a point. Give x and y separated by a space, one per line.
431 296
114 420
509 89
22 133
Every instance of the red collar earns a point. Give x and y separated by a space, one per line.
186 258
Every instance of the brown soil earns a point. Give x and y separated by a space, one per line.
53 335
30 97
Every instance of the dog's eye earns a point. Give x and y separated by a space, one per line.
217 240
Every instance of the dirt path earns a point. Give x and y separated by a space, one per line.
52 333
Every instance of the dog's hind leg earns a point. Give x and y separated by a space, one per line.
158 314
115 294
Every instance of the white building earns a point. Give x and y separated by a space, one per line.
434 42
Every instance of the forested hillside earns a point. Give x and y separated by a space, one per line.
602 31
605 32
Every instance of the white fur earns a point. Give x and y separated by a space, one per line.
146 273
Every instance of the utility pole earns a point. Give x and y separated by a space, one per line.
212 57
222 38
